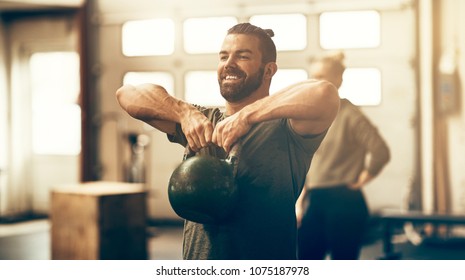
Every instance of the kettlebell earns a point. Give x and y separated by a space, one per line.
202 188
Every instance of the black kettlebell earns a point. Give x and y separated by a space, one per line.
202 189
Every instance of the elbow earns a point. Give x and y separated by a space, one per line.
330 98
385 152
384 157
125 96
332 95
120 95
387 155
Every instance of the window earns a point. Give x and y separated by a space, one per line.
201 88
164 79
338 30
344 30
362 86
56 116
286 77
290 30
148 37
205 35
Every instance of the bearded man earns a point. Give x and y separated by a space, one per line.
279 134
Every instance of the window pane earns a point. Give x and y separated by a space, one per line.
202 89
286 77
164 79
54 135
205 35
343 30
148 37
362 86
290 30
56 116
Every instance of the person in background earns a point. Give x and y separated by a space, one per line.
331 211
279 134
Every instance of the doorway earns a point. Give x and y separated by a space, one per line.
45 122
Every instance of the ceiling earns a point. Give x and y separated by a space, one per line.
31 5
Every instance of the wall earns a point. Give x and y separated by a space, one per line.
393 117
452 36
3 116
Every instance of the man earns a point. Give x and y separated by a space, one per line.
279 134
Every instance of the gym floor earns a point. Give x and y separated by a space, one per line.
30 240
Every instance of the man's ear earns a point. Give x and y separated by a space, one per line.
270 69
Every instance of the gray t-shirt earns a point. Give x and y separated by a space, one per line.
273 163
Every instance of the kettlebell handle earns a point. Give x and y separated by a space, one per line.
188 153
232 156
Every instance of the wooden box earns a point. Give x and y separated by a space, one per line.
99 220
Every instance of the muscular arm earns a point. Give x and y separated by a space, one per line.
152 104
311 107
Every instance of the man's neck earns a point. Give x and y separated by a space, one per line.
234 107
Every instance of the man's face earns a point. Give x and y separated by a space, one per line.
240 69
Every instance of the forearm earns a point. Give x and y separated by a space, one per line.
153 105
300 201
380 156
311 106
368 137
149 103
300 205
363 178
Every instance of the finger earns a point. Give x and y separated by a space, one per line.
228 139
191 143
207 135
217 136
227 145
197 140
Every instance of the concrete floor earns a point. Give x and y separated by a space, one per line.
31 241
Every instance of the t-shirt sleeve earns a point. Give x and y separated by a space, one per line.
178 137
309 144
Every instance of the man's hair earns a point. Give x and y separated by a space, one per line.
267 45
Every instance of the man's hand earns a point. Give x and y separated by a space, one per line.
228 131
197 129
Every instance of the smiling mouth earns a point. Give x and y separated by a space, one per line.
231 78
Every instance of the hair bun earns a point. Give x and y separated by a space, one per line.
269 32
338 56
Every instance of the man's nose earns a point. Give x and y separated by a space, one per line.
230 63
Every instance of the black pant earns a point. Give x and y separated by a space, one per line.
334 223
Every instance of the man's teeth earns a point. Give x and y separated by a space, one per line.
229 77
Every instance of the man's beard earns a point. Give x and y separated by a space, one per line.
237 91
